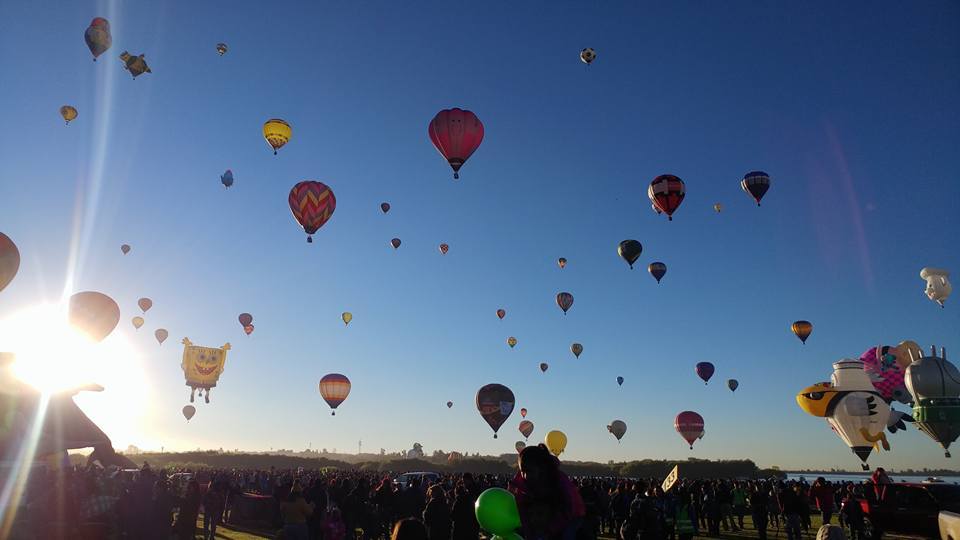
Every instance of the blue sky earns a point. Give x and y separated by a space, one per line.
851 108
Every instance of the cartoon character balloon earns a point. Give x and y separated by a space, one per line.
9 260
334 388
885 373
136 65
93 313
565 301
312 204
690 426
495 403
853 408
456 134
202 367
98 37
617 428
277 133
556 442
666 192
938 284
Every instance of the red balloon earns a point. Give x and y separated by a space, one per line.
690 426
523 412
245 319
312 204
666 192
395 243
9 260
501 313
248 329
457 134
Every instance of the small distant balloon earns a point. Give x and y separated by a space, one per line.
444 248
630 250
562 263
588 55
227 178
277 133
9 260
125 248
161 335
68 113
384 207
544 367
520 445
657 270
145 304
732 384
512 342
248 329
718 207
523 412
617 428
755 184
395 243
137 322
619 381
98 37
565 301
221 49
705 371
802 330
189 411
501 313
449 404
136 65
347 317
576 349
245 319
526 428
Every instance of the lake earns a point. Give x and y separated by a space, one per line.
857 478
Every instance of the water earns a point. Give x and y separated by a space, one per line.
857 478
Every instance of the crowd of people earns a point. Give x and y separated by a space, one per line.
335 505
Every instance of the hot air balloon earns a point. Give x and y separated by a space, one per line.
384 207
618 428
906 352
495 403
934 384
852 407
98 37
501 313
312 204
395 243
544 367
588 55
630 251
657 270
690 426
526 428
802 330
227 179
277 132
136 65
576 349
565 301
755 184
523 413
189 411
145 304
666 192
248 329
718 207
444 248
705 371
449 404
245 319
938 284
9 260
334 388
520 445
201 366
885 373
456 134
556 442
562 262
221 49
732 384
161 334
137 322
68 113
512 342
619 381
125 248
93 313
347 317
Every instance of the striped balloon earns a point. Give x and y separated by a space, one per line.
334 388
666 192
312 204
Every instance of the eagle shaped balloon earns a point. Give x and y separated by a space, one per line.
202 367
854 409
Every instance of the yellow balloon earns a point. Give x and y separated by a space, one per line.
68 113
347 317
137 322
556 442
277 133
906 352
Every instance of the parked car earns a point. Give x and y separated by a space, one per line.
911 509
426 478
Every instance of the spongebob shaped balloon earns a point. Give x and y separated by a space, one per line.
853 408
202 367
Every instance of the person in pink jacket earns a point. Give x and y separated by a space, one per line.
549 503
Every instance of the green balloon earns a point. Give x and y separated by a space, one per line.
497 512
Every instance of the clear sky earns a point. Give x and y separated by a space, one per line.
851 107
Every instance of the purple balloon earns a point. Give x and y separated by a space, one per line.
705 371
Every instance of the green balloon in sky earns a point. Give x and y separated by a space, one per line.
497 512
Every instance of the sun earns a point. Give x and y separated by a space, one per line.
52 356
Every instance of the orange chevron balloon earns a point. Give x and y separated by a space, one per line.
312 204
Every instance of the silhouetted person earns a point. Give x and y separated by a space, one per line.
436 517
550 505
409 529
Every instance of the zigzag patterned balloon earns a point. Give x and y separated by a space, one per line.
312 204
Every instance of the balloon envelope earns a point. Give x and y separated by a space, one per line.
68 113
97 37
732 384
562 262
384 207
565 301
496 511
245 319
495 403
94 313
227 178
520 445
189 411
657 270
145 304
755 184
137 322
523 412
666 192
277 133
449 404
444 248
512 342
576 349
705 371
544 367
618 428
620 381
312 204
556 442
501 313
456 134
630 250
9 260
802 330
334 388
690 426
347 317
125 248
161 334
526 428
395 243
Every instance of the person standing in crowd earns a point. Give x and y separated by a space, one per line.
852 514
822 493
465 526
436 517
790 508
685 516
295 510
186 524
759 500
409 529
550 505
214 501
645 521
738 496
